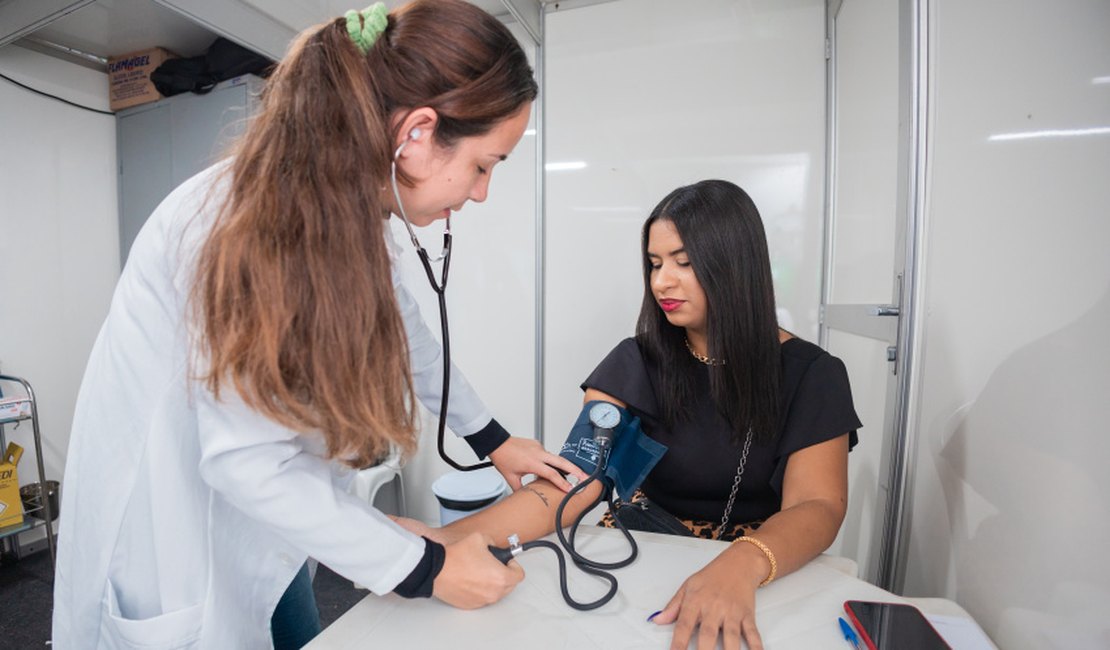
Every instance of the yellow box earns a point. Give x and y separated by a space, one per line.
129 77
11 506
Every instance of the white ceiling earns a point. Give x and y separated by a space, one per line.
107 28
110 28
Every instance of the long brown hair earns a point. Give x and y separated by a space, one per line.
293 296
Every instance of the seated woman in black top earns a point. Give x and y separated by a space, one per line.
751 415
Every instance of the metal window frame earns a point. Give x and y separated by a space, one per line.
888 566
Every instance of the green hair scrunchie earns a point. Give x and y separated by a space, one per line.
367 25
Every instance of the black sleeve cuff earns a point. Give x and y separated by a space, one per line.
418 584
488 439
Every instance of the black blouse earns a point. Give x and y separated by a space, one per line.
694 478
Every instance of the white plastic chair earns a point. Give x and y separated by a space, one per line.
368 481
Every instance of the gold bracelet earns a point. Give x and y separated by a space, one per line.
766 551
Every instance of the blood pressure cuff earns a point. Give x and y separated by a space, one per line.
629 460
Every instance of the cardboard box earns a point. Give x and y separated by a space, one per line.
129 77
14 408
11 505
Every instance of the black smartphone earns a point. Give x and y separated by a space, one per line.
893 626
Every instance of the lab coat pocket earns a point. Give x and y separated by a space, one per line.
176 630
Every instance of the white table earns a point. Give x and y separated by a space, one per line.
797 611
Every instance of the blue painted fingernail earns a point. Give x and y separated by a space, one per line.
654 615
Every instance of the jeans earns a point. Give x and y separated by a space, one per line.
296 621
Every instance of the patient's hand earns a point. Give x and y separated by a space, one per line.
718 601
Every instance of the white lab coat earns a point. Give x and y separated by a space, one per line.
184 519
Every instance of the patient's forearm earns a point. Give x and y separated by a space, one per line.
795 536
529 512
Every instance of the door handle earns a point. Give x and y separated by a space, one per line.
886 310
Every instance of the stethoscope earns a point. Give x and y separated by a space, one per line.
603 416
440 288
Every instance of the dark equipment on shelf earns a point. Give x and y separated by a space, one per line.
31 494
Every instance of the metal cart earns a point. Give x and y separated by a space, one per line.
9 534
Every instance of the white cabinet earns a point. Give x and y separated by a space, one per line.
163 143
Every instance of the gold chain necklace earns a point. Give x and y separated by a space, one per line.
701 357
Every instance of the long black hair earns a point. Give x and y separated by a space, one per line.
723 237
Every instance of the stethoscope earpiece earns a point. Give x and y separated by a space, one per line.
414 135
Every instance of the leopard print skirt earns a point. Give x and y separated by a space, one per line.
640 513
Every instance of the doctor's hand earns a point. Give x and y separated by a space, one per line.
719 601
517 457
472 577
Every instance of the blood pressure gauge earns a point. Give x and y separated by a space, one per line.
604 415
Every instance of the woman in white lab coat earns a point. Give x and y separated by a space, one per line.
258 348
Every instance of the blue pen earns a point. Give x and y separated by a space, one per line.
849 634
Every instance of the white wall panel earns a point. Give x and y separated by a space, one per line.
867 153
59 236
642 98
1012 491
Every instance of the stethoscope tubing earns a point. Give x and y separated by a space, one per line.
445 336
440 288
585 607
584 563
568 542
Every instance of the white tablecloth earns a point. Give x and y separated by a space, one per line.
798 611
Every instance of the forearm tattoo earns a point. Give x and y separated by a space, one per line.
540 495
